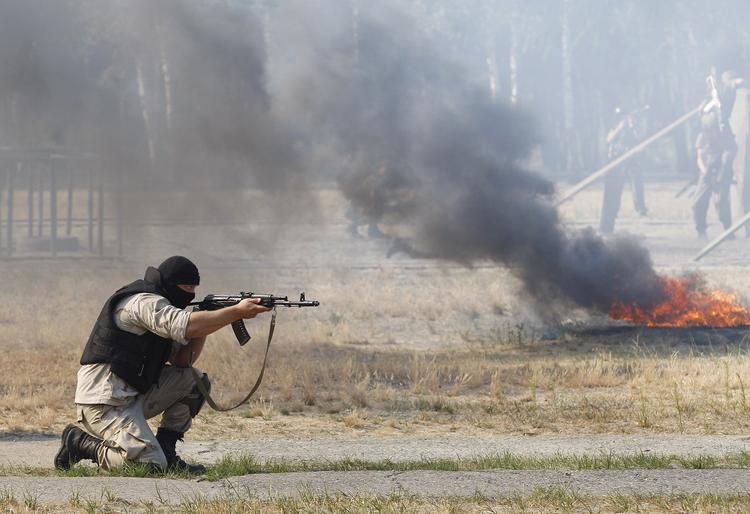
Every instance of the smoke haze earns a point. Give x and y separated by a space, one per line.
372 96
427 148
167 91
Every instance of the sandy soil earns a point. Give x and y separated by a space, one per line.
244 253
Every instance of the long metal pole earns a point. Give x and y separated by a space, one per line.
716 242
118 213
69 220
40 224
9 217
30 202
91 209
101 218
53 208
1 219
583 184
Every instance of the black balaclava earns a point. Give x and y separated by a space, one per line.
173 272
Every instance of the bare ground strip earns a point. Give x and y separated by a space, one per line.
495 483
20 451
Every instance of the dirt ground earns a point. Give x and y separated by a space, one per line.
494 483
396 304
22 450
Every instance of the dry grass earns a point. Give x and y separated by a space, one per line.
553 499
390 350
316 386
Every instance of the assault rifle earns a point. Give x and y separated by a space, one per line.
215 302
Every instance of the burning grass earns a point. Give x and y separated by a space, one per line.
687 303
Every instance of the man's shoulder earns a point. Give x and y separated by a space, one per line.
142 299
145 311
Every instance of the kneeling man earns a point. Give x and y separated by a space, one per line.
136 366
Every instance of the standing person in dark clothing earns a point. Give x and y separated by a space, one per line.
714 155
716 149
621 138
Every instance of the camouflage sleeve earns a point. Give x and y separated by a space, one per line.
150 312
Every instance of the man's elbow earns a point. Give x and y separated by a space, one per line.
200 324
195 328
191 331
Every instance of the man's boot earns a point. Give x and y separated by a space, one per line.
76 445
168 441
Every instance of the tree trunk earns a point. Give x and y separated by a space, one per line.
683 147
266 19
167 82
491 68
513 64
12 128
571 159
5 130
166 139
355 31
144 111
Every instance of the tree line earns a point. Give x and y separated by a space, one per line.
176 86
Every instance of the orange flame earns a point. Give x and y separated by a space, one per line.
686 306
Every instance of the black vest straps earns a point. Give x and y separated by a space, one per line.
138 360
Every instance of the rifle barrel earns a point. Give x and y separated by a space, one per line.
310 303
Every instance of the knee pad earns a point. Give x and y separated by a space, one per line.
195 400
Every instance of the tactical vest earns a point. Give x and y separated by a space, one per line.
138 360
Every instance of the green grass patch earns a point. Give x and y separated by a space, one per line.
248 465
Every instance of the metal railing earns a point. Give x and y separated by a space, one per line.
48 180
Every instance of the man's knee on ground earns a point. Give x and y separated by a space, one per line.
114 456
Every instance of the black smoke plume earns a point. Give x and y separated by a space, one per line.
428 150
210 92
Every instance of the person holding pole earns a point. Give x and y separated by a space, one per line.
622 137
716 149
715 177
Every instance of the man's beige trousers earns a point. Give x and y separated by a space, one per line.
124 429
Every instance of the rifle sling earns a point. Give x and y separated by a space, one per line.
207 395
